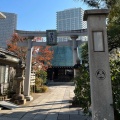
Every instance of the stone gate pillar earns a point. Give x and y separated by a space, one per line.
28 71
75 56
100 80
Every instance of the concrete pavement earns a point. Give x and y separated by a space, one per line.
53 105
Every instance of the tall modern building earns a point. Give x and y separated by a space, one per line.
7 27
70 19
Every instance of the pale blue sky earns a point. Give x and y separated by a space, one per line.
38 14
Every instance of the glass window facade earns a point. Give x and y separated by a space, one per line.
7 27
70 19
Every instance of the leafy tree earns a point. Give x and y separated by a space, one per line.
12 46
41 55
113 27
84 51
115 77
100 3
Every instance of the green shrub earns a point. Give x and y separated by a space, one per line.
44 88
38 90
41 89
41 74
82 90
38 82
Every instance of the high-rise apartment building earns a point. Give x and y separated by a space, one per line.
7 27
70 19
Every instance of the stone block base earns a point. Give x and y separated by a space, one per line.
28 98
20 102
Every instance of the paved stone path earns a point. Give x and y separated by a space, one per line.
53 105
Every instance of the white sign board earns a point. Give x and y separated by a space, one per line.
32 81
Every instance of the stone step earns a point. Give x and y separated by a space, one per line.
8 105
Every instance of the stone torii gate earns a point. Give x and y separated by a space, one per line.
100 80
31 34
